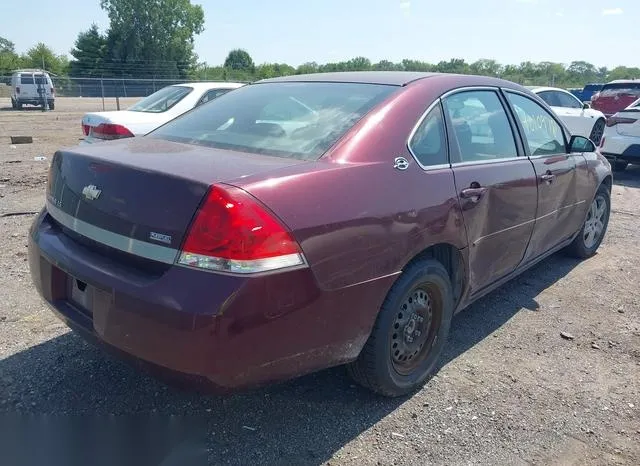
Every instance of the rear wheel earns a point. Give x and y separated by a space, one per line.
51 105
595 226
409 333
14 105
597 132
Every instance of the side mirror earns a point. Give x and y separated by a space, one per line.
581 144
586 105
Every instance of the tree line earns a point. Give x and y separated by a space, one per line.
154 39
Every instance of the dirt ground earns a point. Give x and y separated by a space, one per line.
511 390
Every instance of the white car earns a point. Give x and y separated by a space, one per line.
580 118
621 140
152 111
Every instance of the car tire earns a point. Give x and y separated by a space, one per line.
409 333
52 106
619 165
597 131
14 105
594 227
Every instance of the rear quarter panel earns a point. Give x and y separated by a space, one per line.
356 217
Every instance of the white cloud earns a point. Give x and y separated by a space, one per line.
405 4
560 13
527 1
612 11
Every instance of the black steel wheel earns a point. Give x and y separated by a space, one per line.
409 333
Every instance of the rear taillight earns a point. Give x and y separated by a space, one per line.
17 90
111 131
232 232
614 120
85 129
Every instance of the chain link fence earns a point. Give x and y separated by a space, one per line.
112 89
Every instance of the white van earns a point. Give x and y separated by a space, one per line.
28 87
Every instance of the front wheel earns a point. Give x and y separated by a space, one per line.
597 132
409 333
594 228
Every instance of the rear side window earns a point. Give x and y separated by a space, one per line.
543 134
567 101
480 126
212 94
428 144
621 88
162 100
26 79
550 98
299 120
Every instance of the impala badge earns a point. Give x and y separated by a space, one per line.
91 192
160 237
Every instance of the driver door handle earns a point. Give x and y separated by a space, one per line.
547 177
473 193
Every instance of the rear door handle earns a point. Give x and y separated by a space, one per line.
547 177
473 193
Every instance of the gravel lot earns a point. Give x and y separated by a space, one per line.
511 390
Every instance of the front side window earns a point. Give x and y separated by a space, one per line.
480 126
300 120
429 144
543 134
162 100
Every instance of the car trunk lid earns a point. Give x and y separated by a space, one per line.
138 196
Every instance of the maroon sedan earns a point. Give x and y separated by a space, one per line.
309 221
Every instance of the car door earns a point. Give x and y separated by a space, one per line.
560 210
495 183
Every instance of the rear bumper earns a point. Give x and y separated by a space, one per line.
622 148
33 101
231 332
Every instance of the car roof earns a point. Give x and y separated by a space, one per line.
203 85
393 78
623 81
536 89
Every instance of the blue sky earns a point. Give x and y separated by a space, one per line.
603 32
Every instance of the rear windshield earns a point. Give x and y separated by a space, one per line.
286 119
162 100
26 79
29 78
621 88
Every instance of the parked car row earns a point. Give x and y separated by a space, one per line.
310 221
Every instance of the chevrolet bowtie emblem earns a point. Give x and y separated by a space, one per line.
91 192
